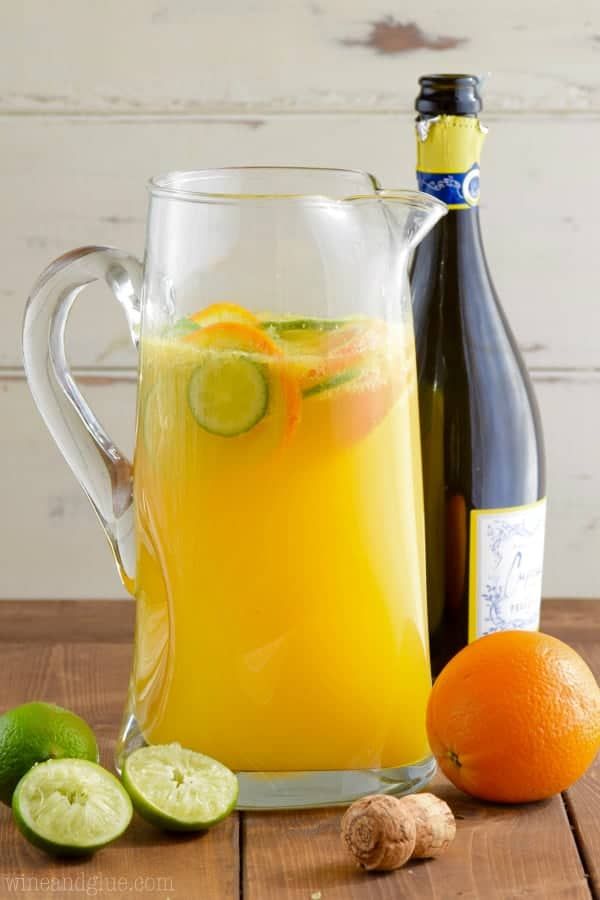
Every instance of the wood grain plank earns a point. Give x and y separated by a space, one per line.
575 621
145 863
55 546
265 56
499 853
52 522
92 679
69 182
583 799
50 621
573 525
583 806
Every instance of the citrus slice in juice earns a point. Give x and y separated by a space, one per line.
223 312
178 789
228 394
343 354
246 355
359 406
71 807
211 315
317 349
354 400
233 336
305 336
354 344
290 327
181 327
334 381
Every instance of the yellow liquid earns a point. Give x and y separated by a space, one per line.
281 617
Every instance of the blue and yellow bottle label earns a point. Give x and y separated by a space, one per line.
448 152
458 190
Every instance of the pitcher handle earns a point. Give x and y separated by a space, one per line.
104 473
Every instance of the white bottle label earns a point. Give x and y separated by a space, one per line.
505 568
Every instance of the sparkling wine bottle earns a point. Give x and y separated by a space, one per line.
483 455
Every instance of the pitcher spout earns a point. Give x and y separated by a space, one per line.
413 213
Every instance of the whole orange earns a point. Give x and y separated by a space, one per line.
514 717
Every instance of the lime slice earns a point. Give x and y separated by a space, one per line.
333 382
181 328
228 394
178 789
71 807
307 324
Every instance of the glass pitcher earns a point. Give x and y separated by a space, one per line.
270 527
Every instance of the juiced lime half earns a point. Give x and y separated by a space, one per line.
71 807
178 789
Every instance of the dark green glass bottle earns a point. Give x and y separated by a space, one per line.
483 456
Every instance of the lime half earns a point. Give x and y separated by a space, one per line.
71 807
178 789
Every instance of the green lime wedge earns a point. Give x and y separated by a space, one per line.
332 382
307 324
178 789
228 394
181 328
70 807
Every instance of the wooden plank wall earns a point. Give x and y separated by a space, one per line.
96 97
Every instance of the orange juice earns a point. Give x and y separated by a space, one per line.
281 618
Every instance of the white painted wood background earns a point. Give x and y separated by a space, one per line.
96 97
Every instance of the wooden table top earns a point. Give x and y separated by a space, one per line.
78 653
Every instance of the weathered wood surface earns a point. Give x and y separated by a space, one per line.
180 56
53 545
583 800
78 654
70 182
50 662
95 98
497 854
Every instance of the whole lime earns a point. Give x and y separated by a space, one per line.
35 732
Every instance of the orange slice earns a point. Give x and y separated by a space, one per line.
351 408
223 312
347 349
228 335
